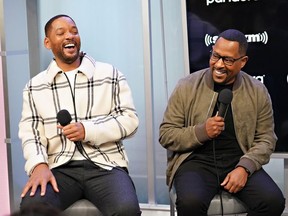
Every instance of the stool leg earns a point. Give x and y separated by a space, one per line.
172 208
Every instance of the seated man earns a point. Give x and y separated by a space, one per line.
84 156
215 148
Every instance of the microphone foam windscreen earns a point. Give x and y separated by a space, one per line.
64 117
225 96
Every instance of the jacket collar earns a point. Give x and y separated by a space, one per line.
87 67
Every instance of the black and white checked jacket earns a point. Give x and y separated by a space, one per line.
103 104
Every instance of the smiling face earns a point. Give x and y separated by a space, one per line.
64 41
222 73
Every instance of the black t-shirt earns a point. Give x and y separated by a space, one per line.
225 146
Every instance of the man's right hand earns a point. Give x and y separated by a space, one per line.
214 126
40 176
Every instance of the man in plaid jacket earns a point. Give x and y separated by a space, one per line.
85 158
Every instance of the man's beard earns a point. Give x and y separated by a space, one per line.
68 59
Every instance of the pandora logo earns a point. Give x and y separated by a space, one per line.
208 2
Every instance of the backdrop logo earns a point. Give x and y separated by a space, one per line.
260 78
210 39
260 37
251 38
208 2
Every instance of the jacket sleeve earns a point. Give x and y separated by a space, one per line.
175 134
31 132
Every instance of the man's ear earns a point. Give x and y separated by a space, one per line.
47 43
244 61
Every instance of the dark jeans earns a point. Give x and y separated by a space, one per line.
196 184
112 192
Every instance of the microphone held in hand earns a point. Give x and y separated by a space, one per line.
64 118
224 99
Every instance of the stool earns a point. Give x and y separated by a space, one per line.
82 207
231 205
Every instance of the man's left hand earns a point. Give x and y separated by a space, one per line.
235 180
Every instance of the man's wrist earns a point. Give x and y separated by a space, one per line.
246 170
42 163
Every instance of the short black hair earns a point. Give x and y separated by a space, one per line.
50 21
238 36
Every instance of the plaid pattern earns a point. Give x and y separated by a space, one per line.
101 100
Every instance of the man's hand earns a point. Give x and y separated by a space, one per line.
74 131
40 177
235 180
214 126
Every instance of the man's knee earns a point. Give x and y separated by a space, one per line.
275 204
191 204
50 199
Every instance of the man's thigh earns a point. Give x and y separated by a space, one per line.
196 182
50 198
111 191
69 179
261 194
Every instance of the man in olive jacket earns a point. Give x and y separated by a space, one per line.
208 152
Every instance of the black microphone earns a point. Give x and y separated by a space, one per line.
64 118
224 98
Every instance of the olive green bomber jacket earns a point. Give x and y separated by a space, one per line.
193 101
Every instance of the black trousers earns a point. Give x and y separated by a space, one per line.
198 180
113 191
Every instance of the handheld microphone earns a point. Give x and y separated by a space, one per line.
224 98
64 118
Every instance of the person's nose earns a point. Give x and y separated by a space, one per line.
220 62
69 35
